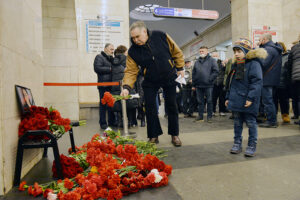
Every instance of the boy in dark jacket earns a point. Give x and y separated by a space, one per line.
244 93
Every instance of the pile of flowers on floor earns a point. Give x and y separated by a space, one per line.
42 118
108 168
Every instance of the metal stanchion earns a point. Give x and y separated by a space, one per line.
125 120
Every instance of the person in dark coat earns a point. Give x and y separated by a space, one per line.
161 61
189 100
282 92
204 73
218 90
294 70
141 103
102 66
118 67
244 93
271 67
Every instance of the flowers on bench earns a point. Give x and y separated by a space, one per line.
42 118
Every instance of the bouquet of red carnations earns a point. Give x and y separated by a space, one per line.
110 99
41 118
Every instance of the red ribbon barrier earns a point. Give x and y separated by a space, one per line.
83 84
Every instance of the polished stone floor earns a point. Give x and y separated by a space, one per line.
203 167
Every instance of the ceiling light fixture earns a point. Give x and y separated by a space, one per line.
145 13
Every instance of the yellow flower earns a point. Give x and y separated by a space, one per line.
94 169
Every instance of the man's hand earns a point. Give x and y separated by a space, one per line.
124 93
248 103
180 73
193 88
226 103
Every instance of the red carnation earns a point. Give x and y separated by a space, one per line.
68 184
108 99
90 187
22 184
46 192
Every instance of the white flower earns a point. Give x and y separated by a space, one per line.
51 196
134 96
102 138
108 129
155 171
158 178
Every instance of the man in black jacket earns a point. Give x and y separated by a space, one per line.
271 67
161 61
294 70
218 90
102 66
204 74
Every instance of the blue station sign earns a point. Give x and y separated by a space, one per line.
185 13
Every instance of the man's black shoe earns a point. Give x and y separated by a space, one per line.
199 119
268 125
103 126
153 140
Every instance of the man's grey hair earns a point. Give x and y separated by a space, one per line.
107 45
137 24
267 36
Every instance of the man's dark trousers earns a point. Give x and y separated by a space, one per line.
153 124
269 107
201 93
103 108
186 98
218 93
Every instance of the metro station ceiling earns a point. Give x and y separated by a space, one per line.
182 30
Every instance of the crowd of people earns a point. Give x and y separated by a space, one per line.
110 66
250 86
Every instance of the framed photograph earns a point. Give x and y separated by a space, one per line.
25 98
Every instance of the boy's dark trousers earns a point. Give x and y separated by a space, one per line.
250 120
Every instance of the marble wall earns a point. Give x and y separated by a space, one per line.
239 19
61 55
20 63
89 10
282 14
212 37
291 21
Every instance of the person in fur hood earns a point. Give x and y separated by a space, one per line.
245 82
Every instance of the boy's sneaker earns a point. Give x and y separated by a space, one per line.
199 119
236 148
209 120
250 151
